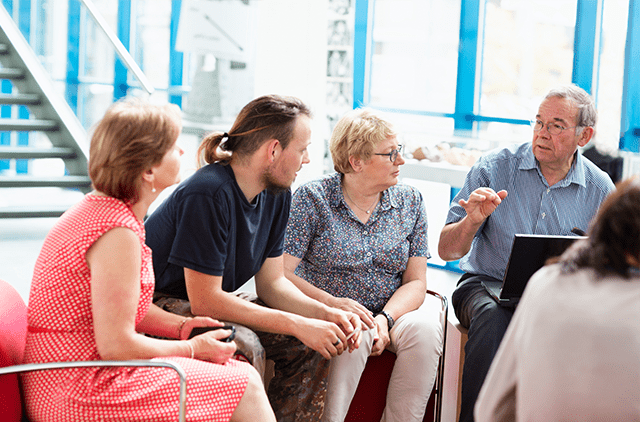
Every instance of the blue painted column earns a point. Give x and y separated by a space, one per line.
588 19
176 58
467 64
121 74
362 39
630 116
73 55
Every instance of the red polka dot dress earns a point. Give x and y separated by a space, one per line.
61 329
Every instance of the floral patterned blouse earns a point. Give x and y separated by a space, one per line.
346 258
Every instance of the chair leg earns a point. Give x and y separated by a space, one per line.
440 374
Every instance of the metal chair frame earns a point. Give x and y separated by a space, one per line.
440 375
16 369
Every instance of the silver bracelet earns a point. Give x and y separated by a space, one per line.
190 348
181 326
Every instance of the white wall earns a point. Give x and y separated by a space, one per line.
291 60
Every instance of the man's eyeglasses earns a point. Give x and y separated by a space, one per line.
552 128
393 155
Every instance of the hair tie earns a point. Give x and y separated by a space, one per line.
225 135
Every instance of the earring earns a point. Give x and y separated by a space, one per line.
153 188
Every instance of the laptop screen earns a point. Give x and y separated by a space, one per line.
528 254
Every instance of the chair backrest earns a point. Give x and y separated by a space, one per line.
13 332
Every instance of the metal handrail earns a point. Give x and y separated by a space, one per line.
120 48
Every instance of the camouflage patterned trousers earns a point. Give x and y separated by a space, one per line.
298 387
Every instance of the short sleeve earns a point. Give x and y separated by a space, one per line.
202 233
300 227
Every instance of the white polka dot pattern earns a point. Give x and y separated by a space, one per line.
61 329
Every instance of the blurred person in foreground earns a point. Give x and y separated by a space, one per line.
572 351
357 240
552 189
91 296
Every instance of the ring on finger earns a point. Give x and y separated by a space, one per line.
336 343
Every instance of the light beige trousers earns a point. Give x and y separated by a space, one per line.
416 339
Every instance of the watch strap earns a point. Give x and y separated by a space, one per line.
390 321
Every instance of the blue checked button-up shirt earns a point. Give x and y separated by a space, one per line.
531 206
346 258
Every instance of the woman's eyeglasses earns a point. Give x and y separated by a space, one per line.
393 155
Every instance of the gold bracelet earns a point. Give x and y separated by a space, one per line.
190 348
182 326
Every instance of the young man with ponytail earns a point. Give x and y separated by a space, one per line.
224 225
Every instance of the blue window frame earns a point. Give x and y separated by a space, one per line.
471 115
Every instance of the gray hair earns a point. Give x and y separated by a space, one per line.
587 114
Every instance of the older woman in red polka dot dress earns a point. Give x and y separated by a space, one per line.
91 296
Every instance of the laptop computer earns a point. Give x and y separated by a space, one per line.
529 252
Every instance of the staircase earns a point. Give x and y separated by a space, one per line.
57 138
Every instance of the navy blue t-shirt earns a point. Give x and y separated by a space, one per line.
208 225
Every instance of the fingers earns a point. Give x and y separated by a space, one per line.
377 348
487 194
208 348
365 316
194 322
482 202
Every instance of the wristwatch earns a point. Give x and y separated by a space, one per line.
389 318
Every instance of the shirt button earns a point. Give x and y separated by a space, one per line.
548 190
544 214
368 253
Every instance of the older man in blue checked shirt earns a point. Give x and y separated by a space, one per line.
541 187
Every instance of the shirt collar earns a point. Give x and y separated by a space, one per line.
336 197
575 175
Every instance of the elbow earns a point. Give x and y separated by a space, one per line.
113 349
446 254
198 308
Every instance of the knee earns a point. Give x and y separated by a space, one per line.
424 334
491 314
254 382
488 327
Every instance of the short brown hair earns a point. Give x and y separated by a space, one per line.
357 133
266 117
132 137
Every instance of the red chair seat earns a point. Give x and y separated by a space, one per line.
370 399
13 332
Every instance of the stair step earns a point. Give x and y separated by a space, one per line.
27 152
27 125
33 182
19 99
32 212
9 73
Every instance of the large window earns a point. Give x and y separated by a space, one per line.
414 54
527 48
475 71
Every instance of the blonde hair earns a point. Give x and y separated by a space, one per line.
357 134
132 137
